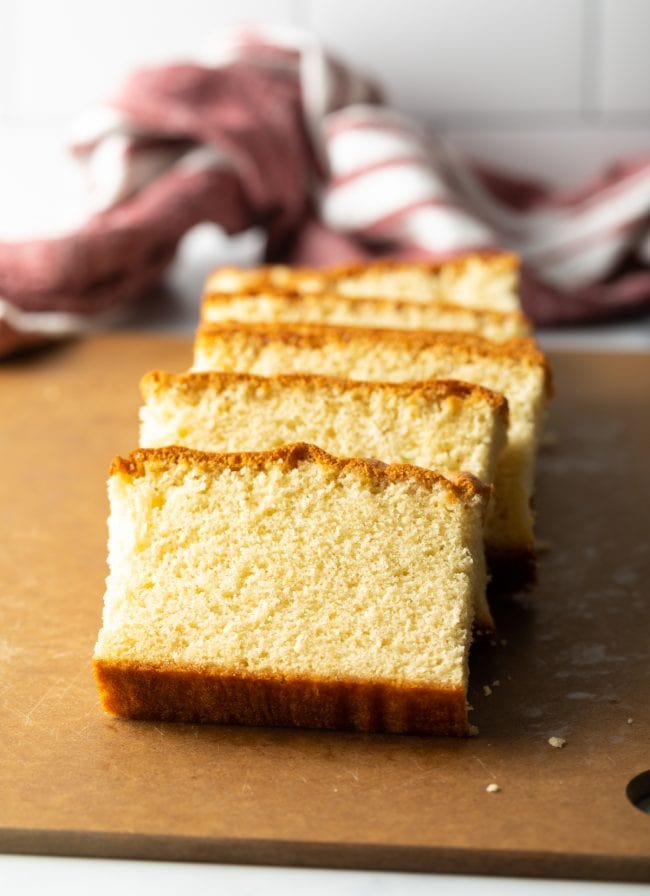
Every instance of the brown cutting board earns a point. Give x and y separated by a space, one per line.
571 659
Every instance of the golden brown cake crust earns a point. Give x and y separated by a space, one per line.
499 261
374 472
523 350
295 296
187 694
432 390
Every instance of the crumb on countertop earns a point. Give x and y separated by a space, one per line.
557 742
496 683
493 788
487 690
629 721
473 730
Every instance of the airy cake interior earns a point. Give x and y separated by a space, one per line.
474 281
444 425
290 564
515 369
335 308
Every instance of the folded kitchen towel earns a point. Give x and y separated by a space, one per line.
273 132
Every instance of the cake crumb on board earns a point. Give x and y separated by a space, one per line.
557 742
493 788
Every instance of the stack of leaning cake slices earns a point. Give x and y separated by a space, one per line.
303 537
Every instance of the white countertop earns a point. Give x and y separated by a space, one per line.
105 877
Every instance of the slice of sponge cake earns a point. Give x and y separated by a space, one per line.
516 369
437 424
485 280
440 425
289 588
274 305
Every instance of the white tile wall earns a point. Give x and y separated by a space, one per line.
7 67
566 154
71 53
468 56
553 88
625 61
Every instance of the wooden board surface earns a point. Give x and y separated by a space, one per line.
572 661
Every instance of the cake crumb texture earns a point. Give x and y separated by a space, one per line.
281 305
516 369
475 280
440 425
289 587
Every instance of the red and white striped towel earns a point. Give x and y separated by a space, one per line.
273 132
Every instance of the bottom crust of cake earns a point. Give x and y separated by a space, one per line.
165 693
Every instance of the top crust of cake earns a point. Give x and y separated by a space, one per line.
463 486
429 389
500 262
520 350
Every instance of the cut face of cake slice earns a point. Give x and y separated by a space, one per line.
269 305
486 280
289 588
516 369
440 425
